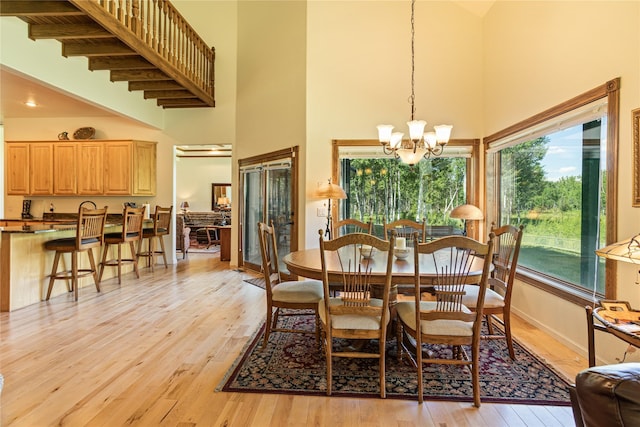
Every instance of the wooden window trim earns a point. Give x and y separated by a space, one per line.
611 91
474 184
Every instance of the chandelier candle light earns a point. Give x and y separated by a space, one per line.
421 145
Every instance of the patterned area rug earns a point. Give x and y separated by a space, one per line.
293 364
197 247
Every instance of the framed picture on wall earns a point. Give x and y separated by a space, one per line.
220 196
636 157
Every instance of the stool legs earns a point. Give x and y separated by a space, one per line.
152 253
73 274
118 261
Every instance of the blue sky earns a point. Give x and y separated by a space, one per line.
564 154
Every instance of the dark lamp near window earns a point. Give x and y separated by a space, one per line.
330 191
467 213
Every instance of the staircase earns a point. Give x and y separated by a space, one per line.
144 42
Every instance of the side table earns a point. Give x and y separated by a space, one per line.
616 318
224 234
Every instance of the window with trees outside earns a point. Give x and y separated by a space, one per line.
381 188
553 178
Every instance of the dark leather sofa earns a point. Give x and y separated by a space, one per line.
607 396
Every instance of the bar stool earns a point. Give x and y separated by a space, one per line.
132 219
161 227
89 235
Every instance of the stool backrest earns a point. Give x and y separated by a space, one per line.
162 220
132 221
90 228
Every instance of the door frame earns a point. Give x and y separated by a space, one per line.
290 154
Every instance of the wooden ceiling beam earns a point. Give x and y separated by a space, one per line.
68 31
119 63
168 94
104 48
137 75
38 8
181 103
155 85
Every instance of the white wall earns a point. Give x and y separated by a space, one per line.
537 55
359 75
271 108
194 179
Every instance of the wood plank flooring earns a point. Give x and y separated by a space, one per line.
151 352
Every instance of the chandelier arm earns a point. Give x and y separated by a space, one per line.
436 151
386 150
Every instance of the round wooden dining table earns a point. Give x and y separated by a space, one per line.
306 263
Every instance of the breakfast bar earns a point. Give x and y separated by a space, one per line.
25 265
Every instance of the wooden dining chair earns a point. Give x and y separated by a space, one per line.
131 233
445 320
355 314
405 228
300 296
497 301
350 225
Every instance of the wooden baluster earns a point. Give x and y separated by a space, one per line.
164 30
135 19
146 6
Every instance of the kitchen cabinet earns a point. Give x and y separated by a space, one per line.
17 168
90 161
117 168
85 167
41 169
65 169
29 168
130 168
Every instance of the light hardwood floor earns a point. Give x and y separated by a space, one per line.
152 351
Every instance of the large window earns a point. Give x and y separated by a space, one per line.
381 188
553 177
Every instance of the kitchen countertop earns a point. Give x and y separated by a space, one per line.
37 228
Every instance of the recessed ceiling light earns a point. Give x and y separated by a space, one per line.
31 104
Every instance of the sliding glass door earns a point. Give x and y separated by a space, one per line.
269 194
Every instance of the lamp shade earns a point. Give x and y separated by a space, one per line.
223 201
330 191
626 251
467 212
184 205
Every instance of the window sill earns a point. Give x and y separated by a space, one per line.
558 288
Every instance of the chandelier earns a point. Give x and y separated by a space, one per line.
420 145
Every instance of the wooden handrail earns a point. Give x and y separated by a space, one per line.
157 30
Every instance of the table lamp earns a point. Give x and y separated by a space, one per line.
330 191
223 201
626 251
184 206
467 213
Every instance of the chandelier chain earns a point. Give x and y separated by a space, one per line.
412 98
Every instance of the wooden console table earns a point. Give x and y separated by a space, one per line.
616 318
224 234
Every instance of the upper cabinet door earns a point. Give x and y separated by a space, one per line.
65 169
144 168
17 169
90 168
117 168
41 168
